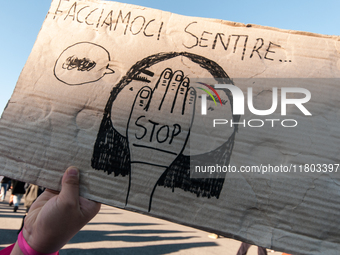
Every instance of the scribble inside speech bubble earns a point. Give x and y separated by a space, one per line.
82 63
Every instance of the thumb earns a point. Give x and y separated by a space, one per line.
70 185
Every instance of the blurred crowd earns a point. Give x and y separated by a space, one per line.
19 190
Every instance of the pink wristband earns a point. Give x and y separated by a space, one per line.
27 250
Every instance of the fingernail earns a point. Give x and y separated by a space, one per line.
73 171
145 94
167 75
179 77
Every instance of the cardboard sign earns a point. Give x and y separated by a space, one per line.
213 124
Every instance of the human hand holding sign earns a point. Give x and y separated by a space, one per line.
55 217
158 129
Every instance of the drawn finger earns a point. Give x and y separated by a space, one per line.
140 105
179 102
161 89
143 98
169 99
190 103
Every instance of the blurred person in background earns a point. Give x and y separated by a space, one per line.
18 191
32 193
245 246
5 183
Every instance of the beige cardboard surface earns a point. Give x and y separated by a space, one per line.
117 90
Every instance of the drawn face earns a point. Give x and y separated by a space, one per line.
153 127
180 73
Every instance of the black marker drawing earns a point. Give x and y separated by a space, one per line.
159 126
82 63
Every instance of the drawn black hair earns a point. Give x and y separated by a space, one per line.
111 151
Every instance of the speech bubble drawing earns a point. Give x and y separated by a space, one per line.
82 63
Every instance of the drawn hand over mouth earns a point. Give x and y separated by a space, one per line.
159 126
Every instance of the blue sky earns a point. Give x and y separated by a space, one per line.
21 21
